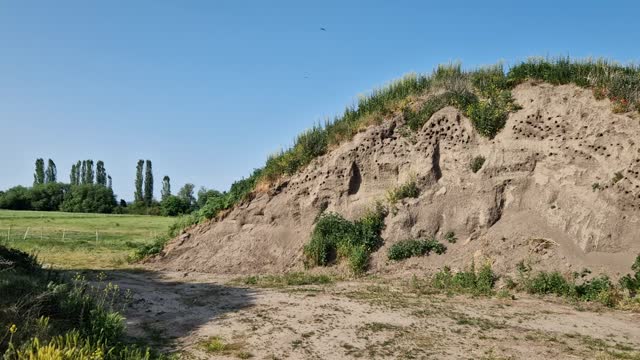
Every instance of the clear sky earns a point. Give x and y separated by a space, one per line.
207 89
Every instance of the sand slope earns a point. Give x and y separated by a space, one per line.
535 198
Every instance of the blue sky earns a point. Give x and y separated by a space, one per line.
207 89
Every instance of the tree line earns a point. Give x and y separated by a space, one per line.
90 190
184 202
81 194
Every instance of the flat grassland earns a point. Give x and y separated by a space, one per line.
78 240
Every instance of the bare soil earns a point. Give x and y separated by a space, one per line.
373 318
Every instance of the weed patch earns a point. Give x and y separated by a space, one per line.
405 249
468 281
335 237
477 163
407 190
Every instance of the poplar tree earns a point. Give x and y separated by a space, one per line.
51 175
109 182
83 172
138 194
148 183
166 187
38 177
78 176
101 173
73 180
90 174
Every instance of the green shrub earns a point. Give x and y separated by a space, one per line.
488 117
331 230
631 282
599 288
405 249
450 236
359 259
477 163
549 283
333 236
479 283
173 206
407 190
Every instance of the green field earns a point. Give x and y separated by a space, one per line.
79 241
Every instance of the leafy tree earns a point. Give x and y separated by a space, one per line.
204 195
38 176
174 205
101 173
48 197
123 203
138 196
51 174
109 182
166 187
186 194
16 198
148 183
90 198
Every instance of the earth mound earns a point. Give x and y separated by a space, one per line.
559 187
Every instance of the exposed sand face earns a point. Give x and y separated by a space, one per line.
548 193
365 319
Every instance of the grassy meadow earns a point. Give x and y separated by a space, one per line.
78 240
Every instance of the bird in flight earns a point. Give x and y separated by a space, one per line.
323 29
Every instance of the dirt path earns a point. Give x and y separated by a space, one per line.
365 319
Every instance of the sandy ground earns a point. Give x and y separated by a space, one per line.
373 318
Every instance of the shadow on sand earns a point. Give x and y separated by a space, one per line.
165 306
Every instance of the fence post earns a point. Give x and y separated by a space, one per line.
63 230
9 234
26 233
96 237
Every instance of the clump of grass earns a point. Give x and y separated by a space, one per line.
288 279
217 346
631 282
214 345
407 190
577 287
335 237
617 177
450 237
405 249
477 163
470 281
